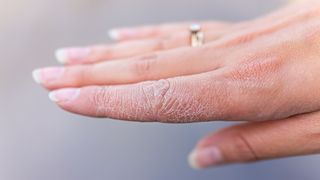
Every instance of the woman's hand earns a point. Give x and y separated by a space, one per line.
265 69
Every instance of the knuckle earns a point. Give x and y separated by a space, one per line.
258 67
143 67
163 44
77 75
160 29
257 76
246 147
100 100
103 52
109 53
154 30
162 99
171 103
156 95
241 144
86 75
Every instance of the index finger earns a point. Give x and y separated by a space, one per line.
175 100
195 98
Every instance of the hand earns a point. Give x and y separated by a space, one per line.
265 69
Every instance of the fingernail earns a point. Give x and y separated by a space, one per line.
203 158
113 34
119 34
72 55
36 74
64 95
47 75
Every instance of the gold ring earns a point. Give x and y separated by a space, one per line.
197 36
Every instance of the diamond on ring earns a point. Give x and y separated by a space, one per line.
197 36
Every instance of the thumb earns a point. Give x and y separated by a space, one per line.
259 141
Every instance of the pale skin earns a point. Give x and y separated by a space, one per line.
264 72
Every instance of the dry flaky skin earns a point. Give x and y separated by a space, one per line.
266 72
264 69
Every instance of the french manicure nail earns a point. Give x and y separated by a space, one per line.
61 56
119 34
46 75
114 34
72 55
64 95
203 158
36 74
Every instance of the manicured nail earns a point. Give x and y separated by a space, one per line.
72 55
113 34
47 75
36 74
203 158
64 95
120 34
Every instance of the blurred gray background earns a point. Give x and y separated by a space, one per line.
38 141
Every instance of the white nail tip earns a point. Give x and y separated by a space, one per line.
193 161
36 74
52 97
114 34
61 56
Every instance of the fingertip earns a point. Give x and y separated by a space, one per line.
61 56
205 157
48 76
52 97
192 160
64 95
124 34
36 75
73 55
114 34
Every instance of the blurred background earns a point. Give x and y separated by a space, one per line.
38 141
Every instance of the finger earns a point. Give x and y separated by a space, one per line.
159 31
94 54
201 97
150 67
178 100
259 141
98 53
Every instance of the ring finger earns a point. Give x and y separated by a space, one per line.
94 54
159 31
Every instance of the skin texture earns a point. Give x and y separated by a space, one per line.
263 72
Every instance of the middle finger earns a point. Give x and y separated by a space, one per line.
154 66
